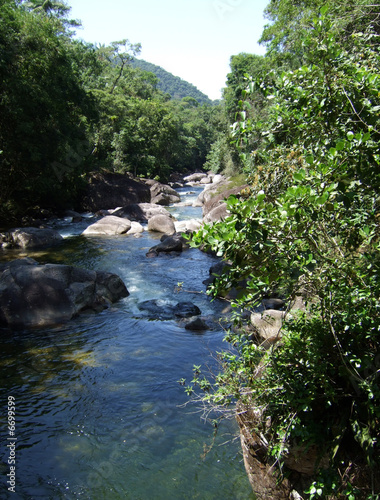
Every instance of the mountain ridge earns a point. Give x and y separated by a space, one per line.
173 85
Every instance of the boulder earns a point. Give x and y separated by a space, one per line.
216 214
136 228
196 325
109 225
267 326
161 224
140 212
165 310
33 237
214 206
111 190
186 310
157 309
191 225
161 194
206 180
168 244
33 295
196 177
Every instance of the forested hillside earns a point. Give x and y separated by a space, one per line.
170 84
68 108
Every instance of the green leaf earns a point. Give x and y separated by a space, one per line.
350 136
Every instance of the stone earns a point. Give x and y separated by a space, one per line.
33 295
165 310
162 194
196 177
267 326
168 244
33 237
217 213
140 212
111 190
109 225
206 180
196 325
157 309
190 225
186 310
136 228
162 224
215 199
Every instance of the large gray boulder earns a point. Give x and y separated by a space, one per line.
31 237
111 190
33 295
109 225
140 212
163 194
162 224
196 177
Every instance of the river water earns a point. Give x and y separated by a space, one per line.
100 413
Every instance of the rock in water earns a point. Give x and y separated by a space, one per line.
33 295
109 225
33 237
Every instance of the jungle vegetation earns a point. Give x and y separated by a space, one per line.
176 87
302 123
307 129
68 108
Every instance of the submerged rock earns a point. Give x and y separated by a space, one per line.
33 295
31 237
164 310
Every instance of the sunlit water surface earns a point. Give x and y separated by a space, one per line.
100 412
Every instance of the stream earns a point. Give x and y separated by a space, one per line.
100 412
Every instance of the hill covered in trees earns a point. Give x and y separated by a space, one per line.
170 84
68 108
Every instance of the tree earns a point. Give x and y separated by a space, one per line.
309 226
49 7
44 111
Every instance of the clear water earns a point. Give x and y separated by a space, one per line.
100 413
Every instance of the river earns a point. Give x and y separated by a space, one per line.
100 412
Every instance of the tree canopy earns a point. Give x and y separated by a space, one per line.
308 226
68 107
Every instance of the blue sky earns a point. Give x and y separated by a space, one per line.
193 39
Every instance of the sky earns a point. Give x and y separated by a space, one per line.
193 39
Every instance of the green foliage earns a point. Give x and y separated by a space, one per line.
44 110
172 85
309 226
67 107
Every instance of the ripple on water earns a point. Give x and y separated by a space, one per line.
100 411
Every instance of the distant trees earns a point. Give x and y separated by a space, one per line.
67 107
44 108
172 85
